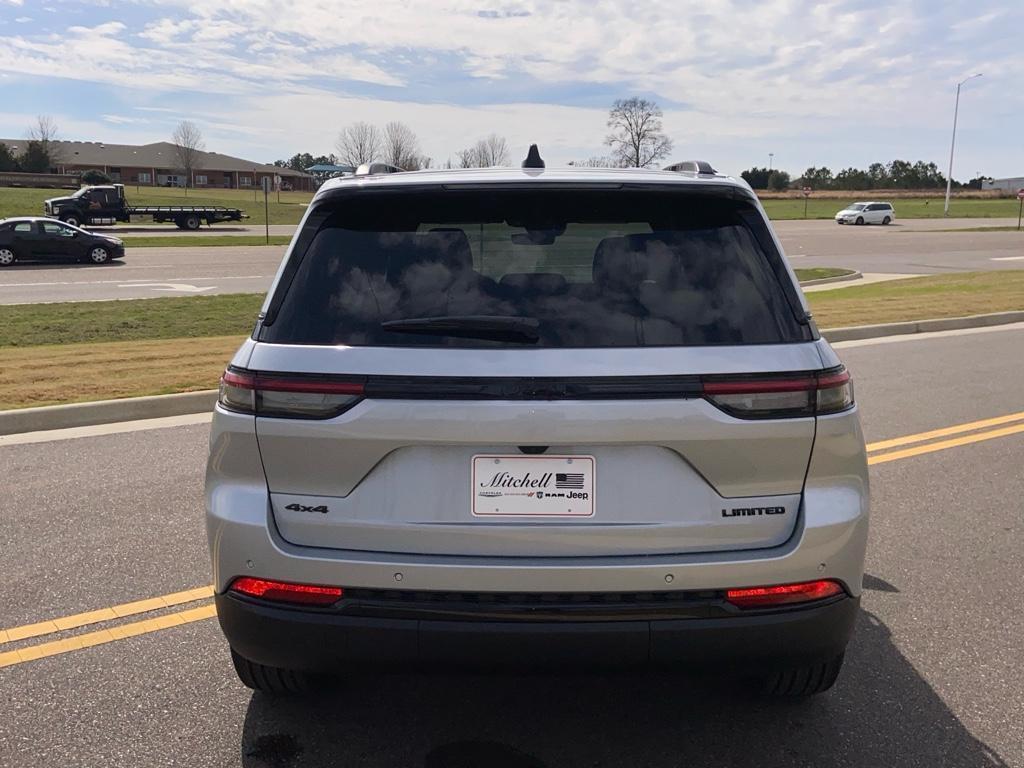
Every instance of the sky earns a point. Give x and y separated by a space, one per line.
832 84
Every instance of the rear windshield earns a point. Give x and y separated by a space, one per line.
537 268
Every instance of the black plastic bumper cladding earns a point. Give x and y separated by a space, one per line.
331 640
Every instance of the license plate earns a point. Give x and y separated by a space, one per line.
533 486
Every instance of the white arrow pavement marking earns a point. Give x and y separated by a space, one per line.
183 287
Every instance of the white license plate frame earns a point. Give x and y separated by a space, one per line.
533 486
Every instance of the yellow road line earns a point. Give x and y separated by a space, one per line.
104 614
944 444
99 637
920 437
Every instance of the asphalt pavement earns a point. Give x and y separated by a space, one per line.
913 247
933 676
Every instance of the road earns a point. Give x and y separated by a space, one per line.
933 676
910 248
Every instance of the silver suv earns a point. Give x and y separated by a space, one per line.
536 417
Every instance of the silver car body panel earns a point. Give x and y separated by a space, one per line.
394 473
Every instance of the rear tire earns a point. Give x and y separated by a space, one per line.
802 681
271 680
860 220
192 222
98 255
886 220
7 257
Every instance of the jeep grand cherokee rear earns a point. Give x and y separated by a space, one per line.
541 418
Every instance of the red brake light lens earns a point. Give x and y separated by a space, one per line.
283 592
288 397
783 594
782 396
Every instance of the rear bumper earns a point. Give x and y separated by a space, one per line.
329 641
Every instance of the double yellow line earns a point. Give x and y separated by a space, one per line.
929 442
101 636
878 453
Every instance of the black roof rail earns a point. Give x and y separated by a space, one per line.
371 169
701 167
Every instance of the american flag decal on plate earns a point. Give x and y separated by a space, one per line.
569 481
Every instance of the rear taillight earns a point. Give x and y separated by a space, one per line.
286 592
784 594
288 397
777 397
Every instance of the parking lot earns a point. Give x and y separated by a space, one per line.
933 677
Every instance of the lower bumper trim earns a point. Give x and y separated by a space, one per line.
317 641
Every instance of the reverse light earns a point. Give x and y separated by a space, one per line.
782 396
284 592
287 397
783 594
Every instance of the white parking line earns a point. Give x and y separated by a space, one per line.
1007 258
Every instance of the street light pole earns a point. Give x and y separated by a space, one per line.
952 144
771 156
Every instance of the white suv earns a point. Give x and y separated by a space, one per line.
536 417
867 213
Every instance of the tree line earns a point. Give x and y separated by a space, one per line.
898 174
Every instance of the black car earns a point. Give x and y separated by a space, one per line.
27 239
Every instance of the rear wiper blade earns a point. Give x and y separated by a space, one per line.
522 330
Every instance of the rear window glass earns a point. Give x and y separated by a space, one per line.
537 268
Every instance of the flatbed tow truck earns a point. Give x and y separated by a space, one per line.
107 205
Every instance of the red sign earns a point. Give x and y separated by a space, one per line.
806 191
1020 194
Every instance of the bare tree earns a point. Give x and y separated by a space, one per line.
466 158
359 143
188 150
637 140
402 148
492 151
45 132
486 153
596 162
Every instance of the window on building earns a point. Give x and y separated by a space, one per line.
144 178
245 181
201 180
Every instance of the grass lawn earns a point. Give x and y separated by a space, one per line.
906 208
30 325
820 273
61 353
919 298
75 373
29 202
193 241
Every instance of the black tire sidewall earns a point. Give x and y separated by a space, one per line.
860 221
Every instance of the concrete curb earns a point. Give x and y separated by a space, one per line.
837 279
158 406
105 412
857 332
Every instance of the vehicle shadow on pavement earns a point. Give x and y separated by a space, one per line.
881 713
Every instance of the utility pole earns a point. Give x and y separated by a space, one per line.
771 157
952 144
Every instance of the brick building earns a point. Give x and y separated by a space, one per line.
153 165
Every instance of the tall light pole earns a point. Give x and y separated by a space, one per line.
952 144
771 156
